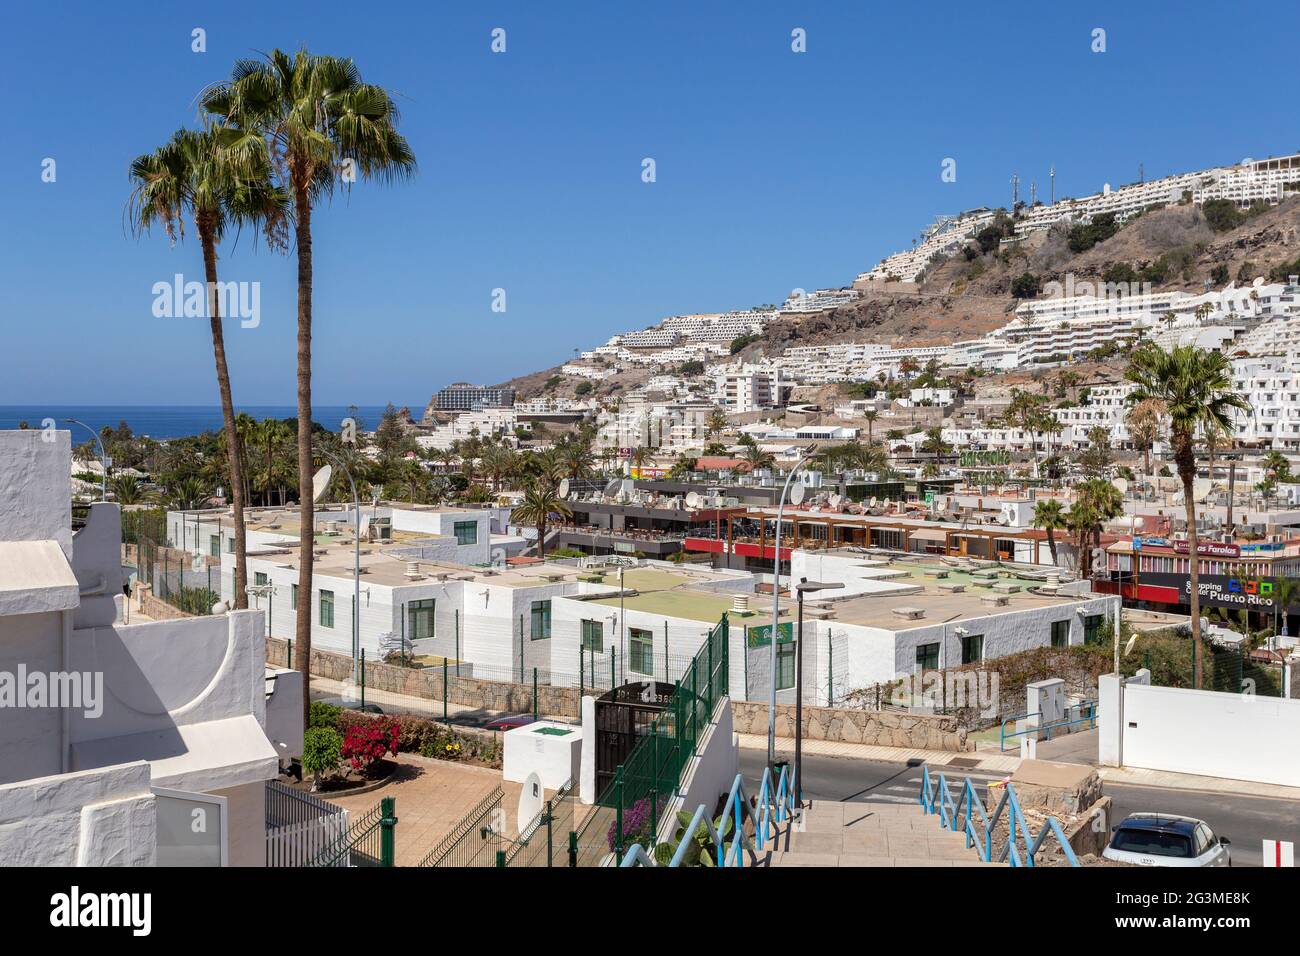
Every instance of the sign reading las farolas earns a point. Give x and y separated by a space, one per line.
1210 549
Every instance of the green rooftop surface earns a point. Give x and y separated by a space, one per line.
553 731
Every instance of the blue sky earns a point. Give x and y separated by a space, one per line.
775 170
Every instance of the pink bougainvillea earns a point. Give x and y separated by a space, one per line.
364 744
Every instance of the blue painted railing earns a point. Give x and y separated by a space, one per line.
1089 718
1022 845
775 805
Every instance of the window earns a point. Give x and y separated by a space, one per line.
327 609
259 578
784 665
1060 633
420 619
927 657
541 620
972 648
641 651
214 545
293 597
466 532
1092 628
230 545
593 636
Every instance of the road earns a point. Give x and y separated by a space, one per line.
1245 820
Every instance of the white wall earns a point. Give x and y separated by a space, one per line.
35 496
1237 736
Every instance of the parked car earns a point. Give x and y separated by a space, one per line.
1163 839
509 723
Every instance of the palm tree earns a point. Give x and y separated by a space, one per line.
1144 427
126 489
1195 387
716 423
312 117
935 445
540 499
187 494
195 174
870 415
1050 516
757 457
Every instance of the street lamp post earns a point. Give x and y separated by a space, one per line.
356 563
776 600
103 458
804 587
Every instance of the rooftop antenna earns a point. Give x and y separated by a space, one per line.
1015 190
1052 174
1142 175
1033 193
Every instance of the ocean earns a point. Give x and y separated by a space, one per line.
175 421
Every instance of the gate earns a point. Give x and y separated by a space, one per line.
299 826
623 717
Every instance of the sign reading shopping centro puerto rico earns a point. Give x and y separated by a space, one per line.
760 635
1221 590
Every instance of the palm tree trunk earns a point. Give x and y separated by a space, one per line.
306 507
270 437
541 538
1051 545
208 241
1185 457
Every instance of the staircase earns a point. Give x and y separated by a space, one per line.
867 834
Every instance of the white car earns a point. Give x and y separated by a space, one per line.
1162 839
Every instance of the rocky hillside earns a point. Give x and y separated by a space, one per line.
974 291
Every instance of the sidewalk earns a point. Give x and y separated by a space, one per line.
1168 780
971 760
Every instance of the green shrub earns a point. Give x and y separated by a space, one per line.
321 714
322 749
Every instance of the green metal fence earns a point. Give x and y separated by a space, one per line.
368 842
544 842
629 809
476 840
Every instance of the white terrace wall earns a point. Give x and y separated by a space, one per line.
1237 736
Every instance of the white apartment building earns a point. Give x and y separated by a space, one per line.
594 373
945 235
485 423
652 338
819 299
148 727
748 388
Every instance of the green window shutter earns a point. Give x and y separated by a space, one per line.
541 620
326 608
593 636
641 651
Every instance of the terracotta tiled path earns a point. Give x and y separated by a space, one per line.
432 796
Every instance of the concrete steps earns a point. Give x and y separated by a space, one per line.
868 834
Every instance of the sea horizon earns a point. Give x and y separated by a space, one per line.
179 421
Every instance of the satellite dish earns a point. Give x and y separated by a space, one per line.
1121 484
1200 488
320 482
836 501
563 490
530 801
613 487
796 494
693 500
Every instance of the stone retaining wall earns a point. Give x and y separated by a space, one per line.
883 728
426 683
156 608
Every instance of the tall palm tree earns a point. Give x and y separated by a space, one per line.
935 445
757 457
196 173
870 415
1049 515
1195 387
541 498
314 119
1143 422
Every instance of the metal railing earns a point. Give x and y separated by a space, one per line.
628 810
543 841
1088 709
1022 845
368 842
475 840
728 838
